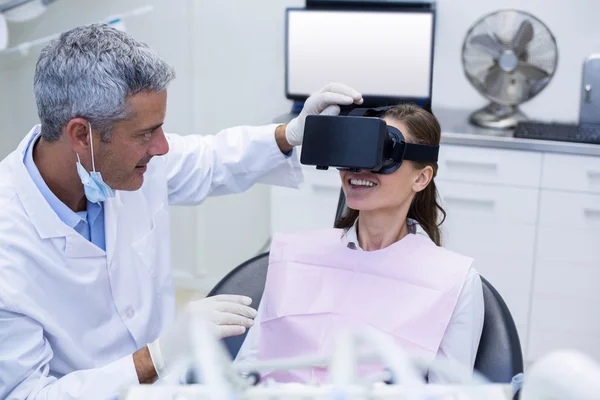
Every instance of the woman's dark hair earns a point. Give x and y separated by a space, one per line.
425 209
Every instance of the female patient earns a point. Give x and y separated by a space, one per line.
383 267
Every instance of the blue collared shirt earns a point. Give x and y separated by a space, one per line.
89 223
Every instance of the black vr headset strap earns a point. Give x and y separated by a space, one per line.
415 152
421 152
368 112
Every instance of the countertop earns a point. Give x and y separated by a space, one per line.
457 130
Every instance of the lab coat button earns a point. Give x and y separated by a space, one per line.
130 313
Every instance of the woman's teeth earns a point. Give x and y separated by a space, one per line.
360 182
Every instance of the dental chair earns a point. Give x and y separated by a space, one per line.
499 356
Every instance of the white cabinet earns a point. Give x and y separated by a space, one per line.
530 220
491 207
567 268
568 172
503 254
489 166
488 202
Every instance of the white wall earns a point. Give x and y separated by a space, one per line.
166 29
239 65
65 14
239 68
229 58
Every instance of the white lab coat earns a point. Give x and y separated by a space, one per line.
71 315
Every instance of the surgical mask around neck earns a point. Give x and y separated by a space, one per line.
94 187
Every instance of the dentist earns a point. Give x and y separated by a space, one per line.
87 303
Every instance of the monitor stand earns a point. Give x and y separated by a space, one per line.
297 106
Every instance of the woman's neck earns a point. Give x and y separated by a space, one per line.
381 228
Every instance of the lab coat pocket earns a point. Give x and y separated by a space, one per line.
148 246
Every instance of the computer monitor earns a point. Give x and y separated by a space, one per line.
387 55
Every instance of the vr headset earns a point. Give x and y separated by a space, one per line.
359 141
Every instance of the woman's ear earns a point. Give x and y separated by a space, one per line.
424 176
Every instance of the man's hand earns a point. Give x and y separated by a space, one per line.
227 315
324 102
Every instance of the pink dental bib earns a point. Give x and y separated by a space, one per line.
316 287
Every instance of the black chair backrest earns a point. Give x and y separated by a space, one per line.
247 279
499 356
341 207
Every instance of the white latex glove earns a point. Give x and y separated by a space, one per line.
229 315
324 102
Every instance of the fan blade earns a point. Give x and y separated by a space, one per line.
488 44
531 72
523 36
497 81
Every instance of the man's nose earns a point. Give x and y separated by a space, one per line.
158 144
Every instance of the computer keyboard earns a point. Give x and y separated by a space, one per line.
560 132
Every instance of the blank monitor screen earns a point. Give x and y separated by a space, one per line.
379 53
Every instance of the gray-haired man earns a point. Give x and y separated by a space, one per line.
86 296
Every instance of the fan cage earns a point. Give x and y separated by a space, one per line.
541 51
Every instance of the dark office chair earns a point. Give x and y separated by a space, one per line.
499 356
247 279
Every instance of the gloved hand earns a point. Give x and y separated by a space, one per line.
324 102
229 315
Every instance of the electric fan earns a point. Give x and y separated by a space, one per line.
509 56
